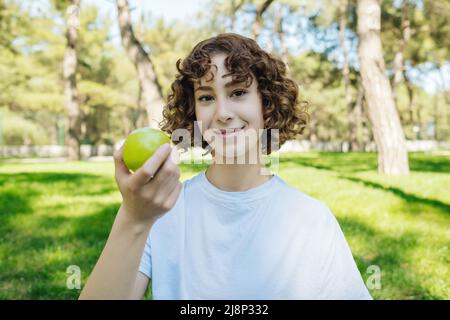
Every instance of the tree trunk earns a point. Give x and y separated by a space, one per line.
73 122
313 131
233 10
257 24
399 66
445 92
351 112
356 118
387 131
279 30
419 121
410 90
435 116
151 90
365 123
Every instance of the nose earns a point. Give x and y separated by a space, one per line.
223 110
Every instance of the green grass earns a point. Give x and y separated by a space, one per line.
54 215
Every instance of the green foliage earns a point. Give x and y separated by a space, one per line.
13 23
168 42
29 71
31 75
325 96
16 130
32 46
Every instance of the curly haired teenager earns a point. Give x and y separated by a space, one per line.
232 231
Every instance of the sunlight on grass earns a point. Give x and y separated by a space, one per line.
58 214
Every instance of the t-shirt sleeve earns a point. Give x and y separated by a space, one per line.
341 277
146 260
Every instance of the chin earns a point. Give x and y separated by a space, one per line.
233 152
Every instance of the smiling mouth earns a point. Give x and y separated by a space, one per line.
228 132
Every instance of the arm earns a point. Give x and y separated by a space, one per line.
147 195
142 282
116 274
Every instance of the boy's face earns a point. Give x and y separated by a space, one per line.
219 104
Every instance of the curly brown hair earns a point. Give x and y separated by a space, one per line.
281 107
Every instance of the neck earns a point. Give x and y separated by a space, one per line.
236 177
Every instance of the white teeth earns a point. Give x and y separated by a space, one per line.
228 131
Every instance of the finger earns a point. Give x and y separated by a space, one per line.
173 197
165 180
151 166
121 169
167 170
168 182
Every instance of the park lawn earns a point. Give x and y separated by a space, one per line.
54 215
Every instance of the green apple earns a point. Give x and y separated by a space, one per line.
141 144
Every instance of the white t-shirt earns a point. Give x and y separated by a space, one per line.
269 242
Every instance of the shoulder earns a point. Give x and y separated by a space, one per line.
303 207
190 183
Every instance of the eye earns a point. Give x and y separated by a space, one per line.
202 98
239 93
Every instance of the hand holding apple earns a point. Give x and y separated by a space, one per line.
153 188
141 144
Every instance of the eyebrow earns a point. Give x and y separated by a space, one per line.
227 85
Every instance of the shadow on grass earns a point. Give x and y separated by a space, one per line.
15 202
69 241
408 197
391 255
85 237
332 161
20 191
83 243
360 161
427 163
354 162
34 262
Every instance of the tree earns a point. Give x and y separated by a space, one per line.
283 15
399 65
415 44
73 123
353 109
321 85
398 24
333 24
257 24
150 88
387 130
